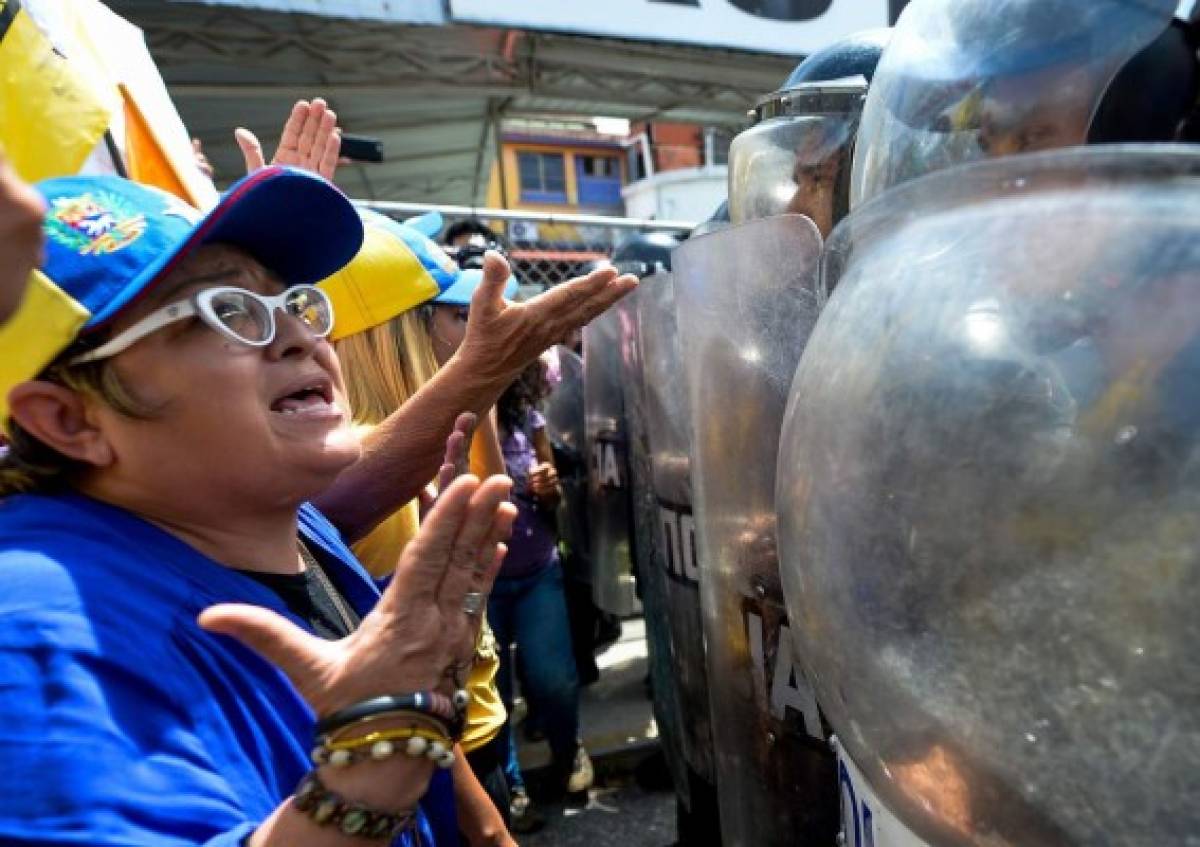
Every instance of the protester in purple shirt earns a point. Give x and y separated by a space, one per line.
534 545
527 606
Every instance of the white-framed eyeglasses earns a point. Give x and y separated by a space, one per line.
237 314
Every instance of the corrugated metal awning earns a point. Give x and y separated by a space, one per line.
433 94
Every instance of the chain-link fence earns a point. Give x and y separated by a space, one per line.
544 249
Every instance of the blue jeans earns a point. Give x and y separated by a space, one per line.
531 612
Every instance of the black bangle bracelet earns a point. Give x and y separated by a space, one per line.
419 702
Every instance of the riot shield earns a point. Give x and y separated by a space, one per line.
970 79
988 480
746 304
608 467
567 432
644 514
672 577
564 408
797 159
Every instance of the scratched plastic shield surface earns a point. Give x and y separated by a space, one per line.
668 716
565 426
673 574
963 80
608 467
989 479
746 303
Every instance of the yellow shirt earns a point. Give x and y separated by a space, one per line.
379 553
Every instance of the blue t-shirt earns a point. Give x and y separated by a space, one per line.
122 722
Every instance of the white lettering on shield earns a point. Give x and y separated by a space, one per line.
787 687
679 541
605 466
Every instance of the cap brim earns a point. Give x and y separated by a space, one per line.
460 293
295 223
428 224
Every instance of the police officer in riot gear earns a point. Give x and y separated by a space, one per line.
746 298
992 433
962 81
795 158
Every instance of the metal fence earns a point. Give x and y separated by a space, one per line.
544 249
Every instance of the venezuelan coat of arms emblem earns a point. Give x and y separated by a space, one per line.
94 223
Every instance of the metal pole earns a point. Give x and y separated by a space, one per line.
496 118
409 209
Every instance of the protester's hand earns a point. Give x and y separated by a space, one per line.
311 141
455 462
21 212
502 337
543 484
418 632
202 161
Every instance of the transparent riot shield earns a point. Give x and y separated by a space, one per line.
566 429
646 545
963 80
608 467
746 304
989 477
672 578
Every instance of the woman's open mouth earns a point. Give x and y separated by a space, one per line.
310 397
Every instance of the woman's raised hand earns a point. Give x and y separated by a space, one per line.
419 632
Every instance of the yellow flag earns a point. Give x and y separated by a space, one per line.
50 117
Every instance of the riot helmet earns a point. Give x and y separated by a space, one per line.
963 80
644 252
795 159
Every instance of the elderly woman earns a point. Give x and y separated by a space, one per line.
189 409
169 420
383 341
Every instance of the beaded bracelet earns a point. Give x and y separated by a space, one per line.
327 808
452 711
378 746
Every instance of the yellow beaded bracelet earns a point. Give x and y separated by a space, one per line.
380 745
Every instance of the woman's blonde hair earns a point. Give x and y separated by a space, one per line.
385 365
32 466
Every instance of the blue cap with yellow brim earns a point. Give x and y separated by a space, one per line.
461 292
109 240
398 268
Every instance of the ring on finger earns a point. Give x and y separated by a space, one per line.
473 602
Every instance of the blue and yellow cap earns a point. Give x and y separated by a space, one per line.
461 292
399 267
109 240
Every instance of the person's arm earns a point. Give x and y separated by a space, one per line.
406 450
487 459
478 817
417 631
543 479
